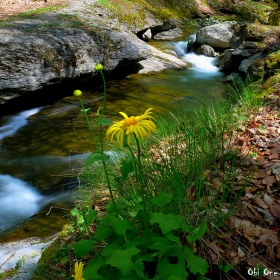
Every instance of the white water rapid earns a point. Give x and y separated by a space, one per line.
19 201
201 63
16 122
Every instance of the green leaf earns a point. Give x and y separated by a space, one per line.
83 247
91 270
103 121
138 267
110 249
75 212
121 259
167 269
197 232
120 225
197 264
96 156
102 232
167 222
90 216
225 267
127 167
160 243
173 238
162 199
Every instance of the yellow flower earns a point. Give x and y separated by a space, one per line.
98 67
78 271
77 93
139 125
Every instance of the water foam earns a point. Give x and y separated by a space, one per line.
19 201
16 122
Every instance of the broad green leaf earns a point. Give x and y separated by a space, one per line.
197 232
127 167
162 199
110 249
103 121
122 259
186 228
160 243
167 222
91 270
167 269
138 267
102 232
96 156
173 238
120 225
90 216
172 277
83 247
197 264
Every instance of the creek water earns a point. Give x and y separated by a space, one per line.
39 147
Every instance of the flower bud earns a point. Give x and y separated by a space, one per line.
98 67
77 93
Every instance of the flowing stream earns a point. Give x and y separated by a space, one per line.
38 146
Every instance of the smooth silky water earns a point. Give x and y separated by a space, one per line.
39 148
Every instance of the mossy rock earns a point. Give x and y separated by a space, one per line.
272 61
272 85
274 18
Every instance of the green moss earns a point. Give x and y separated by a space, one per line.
56 260
273 60
272 85
8 273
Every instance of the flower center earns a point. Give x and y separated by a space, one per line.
130 121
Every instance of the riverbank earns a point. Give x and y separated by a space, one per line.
235 188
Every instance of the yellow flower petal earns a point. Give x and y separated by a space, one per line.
139 125
124 115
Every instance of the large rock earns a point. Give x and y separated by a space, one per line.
217 35
169 34
246 63
31 60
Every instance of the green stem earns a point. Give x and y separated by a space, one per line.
102 144
88 122
105 94
140 179
109 185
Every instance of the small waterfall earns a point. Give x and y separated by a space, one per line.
201 63
16 122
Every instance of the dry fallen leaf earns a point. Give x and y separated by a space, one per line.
275 210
